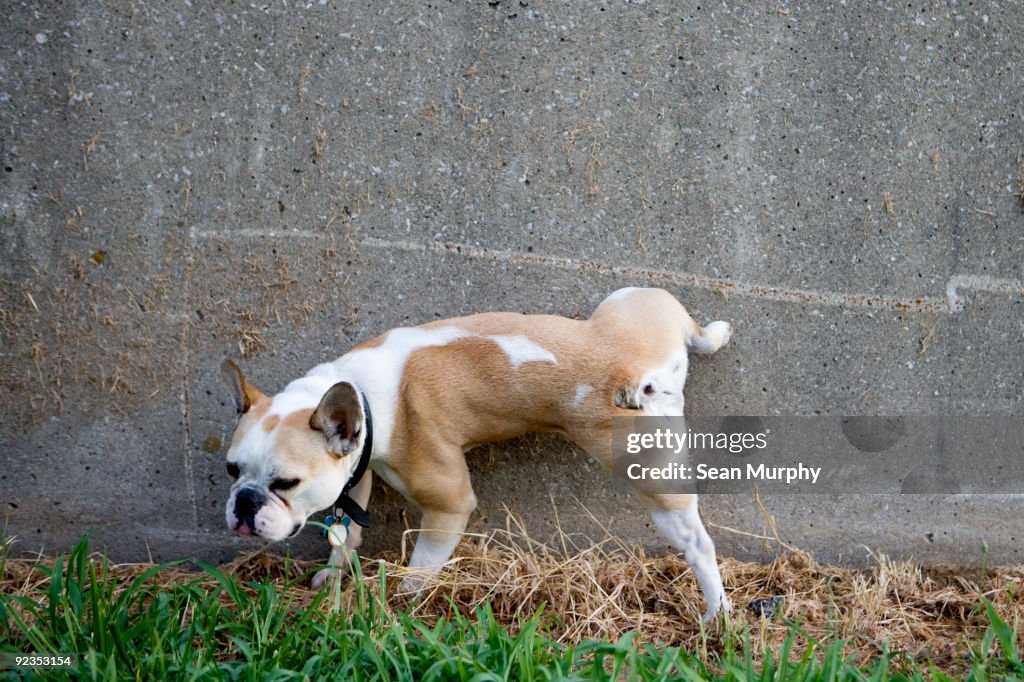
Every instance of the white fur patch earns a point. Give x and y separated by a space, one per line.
430 554
582 392
620 294
520 350
660 393
391 477
377 372
301 394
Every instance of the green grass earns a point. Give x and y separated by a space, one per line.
213 627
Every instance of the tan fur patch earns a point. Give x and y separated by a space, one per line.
299 420
251 418
270 423
297 442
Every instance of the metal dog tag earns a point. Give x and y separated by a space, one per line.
337 533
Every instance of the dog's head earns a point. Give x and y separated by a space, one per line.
289 460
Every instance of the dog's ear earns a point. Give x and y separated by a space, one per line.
244 394
341 419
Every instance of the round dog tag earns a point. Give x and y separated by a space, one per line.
337 533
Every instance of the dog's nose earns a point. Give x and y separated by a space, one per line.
248 501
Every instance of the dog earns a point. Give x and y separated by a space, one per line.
407 405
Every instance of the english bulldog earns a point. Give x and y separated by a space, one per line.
408 404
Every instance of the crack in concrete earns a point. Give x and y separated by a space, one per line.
186 403
953 301
1001 285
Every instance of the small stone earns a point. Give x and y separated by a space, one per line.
765 608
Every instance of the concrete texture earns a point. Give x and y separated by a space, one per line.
277 180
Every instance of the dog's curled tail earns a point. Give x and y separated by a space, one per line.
710 338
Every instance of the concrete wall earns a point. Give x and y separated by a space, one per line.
280 179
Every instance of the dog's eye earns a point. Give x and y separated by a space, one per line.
649 389
281 484
233 470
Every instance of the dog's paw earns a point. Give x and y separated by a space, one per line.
414 583
322 577
724 607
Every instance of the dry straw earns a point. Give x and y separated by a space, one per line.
602 590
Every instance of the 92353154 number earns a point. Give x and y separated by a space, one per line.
37 661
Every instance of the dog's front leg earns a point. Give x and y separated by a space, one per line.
337 566
341 557
446 499
440 533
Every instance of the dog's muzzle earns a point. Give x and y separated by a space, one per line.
248 502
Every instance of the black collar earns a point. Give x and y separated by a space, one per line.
344 503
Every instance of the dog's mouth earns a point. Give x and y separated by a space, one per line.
247 529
